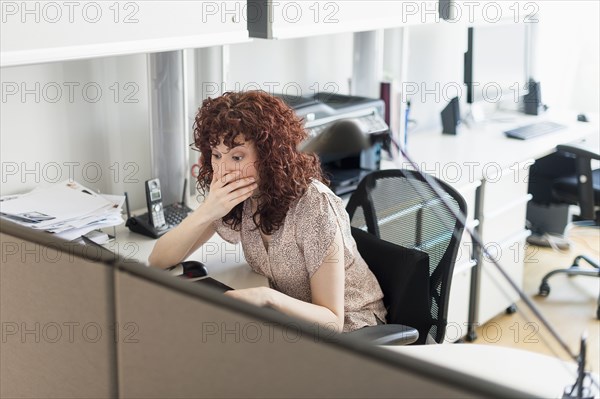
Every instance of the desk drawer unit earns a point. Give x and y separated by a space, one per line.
502 227
505 222
495 293
504 187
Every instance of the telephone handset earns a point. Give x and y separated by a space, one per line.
158 220
156 214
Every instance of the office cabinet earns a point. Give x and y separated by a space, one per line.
504 207
496 294
292 19
506 222
37 32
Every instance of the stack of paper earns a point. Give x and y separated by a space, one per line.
68 209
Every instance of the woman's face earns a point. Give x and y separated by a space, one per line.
242 157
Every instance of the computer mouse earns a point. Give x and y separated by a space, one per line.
193 269
582 118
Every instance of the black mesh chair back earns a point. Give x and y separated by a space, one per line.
399 207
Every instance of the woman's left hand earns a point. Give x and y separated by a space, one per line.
259 296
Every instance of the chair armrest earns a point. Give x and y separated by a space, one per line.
387 334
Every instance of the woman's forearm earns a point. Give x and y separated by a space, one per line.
305 310
174 246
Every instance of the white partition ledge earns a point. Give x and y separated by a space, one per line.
539 375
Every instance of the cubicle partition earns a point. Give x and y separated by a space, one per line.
82 323
56 308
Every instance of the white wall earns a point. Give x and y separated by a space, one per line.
434 71
81 119
567 57
293 66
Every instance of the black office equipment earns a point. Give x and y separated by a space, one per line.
213 283
547 217
397 206
493 69
189 269
323 111
156 215
532 101
343 133
468 66
533 130
197 273
445 9
173 214
581 188
451 117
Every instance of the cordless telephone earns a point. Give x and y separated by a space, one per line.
156 213
158 220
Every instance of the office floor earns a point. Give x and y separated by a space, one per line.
570 307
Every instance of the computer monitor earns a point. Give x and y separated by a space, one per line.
497 62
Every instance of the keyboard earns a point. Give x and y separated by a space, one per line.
533 130
175 213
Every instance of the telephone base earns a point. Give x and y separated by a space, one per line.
141 225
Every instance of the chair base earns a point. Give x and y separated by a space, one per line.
574 270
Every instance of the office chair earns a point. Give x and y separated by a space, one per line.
403 275
581 188
397 206
546 216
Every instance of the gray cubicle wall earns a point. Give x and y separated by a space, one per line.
177 339
56 310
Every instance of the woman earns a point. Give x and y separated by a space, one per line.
294 230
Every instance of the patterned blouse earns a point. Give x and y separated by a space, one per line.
299 247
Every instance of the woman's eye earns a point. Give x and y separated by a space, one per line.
237 159
216 156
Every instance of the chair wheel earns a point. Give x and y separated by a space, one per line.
544 289
511 309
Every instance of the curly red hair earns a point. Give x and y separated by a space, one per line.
276 131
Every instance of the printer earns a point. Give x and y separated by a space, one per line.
322 110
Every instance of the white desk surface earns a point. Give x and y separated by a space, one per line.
541 375
479 150
225 262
